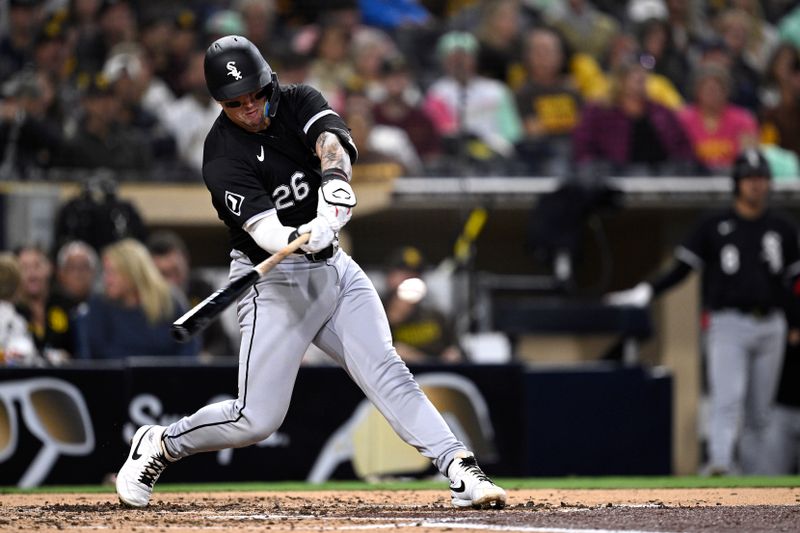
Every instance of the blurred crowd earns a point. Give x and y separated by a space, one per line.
429 87
79 304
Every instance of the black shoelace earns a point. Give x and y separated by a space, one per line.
471 465
153 469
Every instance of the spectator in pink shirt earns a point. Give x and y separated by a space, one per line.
717 129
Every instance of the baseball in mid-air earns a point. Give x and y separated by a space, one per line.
412 290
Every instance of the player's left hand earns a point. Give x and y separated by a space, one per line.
322 235
336 202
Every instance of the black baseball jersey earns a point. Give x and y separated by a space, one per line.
746 264
249 174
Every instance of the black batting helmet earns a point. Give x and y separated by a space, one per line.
749 163
234 66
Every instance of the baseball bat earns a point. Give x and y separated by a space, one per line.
201 315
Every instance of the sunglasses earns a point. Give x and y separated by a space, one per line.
55 412
259 95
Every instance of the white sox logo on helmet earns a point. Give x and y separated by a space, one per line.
233 71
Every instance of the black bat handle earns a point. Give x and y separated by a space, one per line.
200 316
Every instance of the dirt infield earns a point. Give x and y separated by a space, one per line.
663 510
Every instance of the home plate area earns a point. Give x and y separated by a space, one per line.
598 511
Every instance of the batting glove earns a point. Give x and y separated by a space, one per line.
638 296
322 235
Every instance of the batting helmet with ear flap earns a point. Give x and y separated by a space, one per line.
749 163
234 66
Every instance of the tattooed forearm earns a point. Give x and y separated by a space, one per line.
332 154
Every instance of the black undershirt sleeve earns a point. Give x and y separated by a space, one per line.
671 277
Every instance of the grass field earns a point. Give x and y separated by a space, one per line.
601 483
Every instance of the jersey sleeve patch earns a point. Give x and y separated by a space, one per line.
236 190
234 202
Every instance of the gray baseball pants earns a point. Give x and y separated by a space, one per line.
744 355
334 305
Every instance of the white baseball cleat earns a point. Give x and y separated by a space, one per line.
470 487
146 460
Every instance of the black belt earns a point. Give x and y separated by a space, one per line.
322 255
758 311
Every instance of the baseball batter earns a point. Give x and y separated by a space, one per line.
278 164
749 259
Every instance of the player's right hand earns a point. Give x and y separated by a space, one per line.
638 296
322 235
